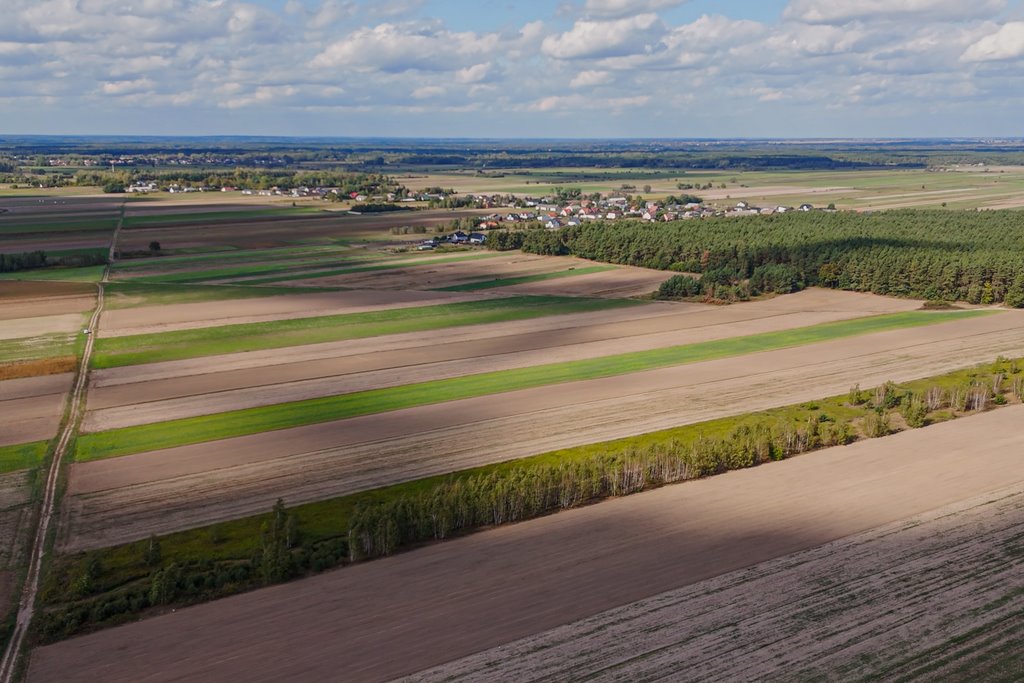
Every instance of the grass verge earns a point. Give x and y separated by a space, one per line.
118 442
164 346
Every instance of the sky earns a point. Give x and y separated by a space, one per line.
507 69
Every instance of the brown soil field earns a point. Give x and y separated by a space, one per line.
399 615
623 282
434 276
32 407
55 365
127 498
166 318
125 405
14 328
17 291
940 588
54 306
56 241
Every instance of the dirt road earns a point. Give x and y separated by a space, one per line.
396 616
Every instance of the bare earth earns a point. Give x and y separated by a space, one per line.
31 408
890 603
127 498
492 588
623 282
40 325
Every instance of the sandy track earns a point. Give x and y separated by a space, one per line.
860 608
134 404
811 300
495 587
127 498
167 318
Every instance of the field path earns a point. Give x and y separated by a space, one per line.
399 615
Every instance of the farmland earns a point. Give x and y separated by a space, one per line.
253 350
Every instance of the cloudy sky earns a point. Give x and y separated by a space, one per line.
500 68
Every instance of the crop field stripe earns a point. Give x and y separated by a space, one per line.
208 341
256 269
21 456
86 274
120 294
367 269
298 413
219 216
508 281
242 255
66 226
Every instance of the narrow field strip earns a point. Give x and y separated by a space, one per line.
21 456
254 269
127 294
508 281
178 345
86 274
272 254
365 269
193 430
216 216
57 226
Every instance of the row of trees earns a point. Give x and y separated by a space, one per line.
963 256
30 260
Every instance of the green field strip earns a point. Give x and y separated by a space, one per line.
129 294
217 216
21 456
68 226
367 269
523 279
181 344
87 274
182 432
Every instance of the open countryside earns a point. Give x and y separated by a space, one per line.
619 416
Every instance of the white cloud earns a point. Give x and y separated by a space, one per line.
590 79
1006 43
842 11
394 49
638 34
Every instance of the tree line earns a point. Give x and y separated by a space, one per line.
976 257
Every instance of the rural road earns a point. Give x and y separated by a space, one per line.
403 614
76 409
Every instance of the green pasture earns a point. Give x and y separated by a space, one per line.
21 457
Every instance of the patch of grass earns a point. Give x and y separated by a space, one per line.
160 435
37 348
87 274
508 281
22 456
367 269
151 348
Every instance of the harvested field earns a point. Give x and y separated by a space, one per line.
32 407
929 598
15 291
166 318
130 497
174 398
545 573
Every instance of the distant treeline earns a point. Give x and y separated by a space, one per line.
30 260
976 257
